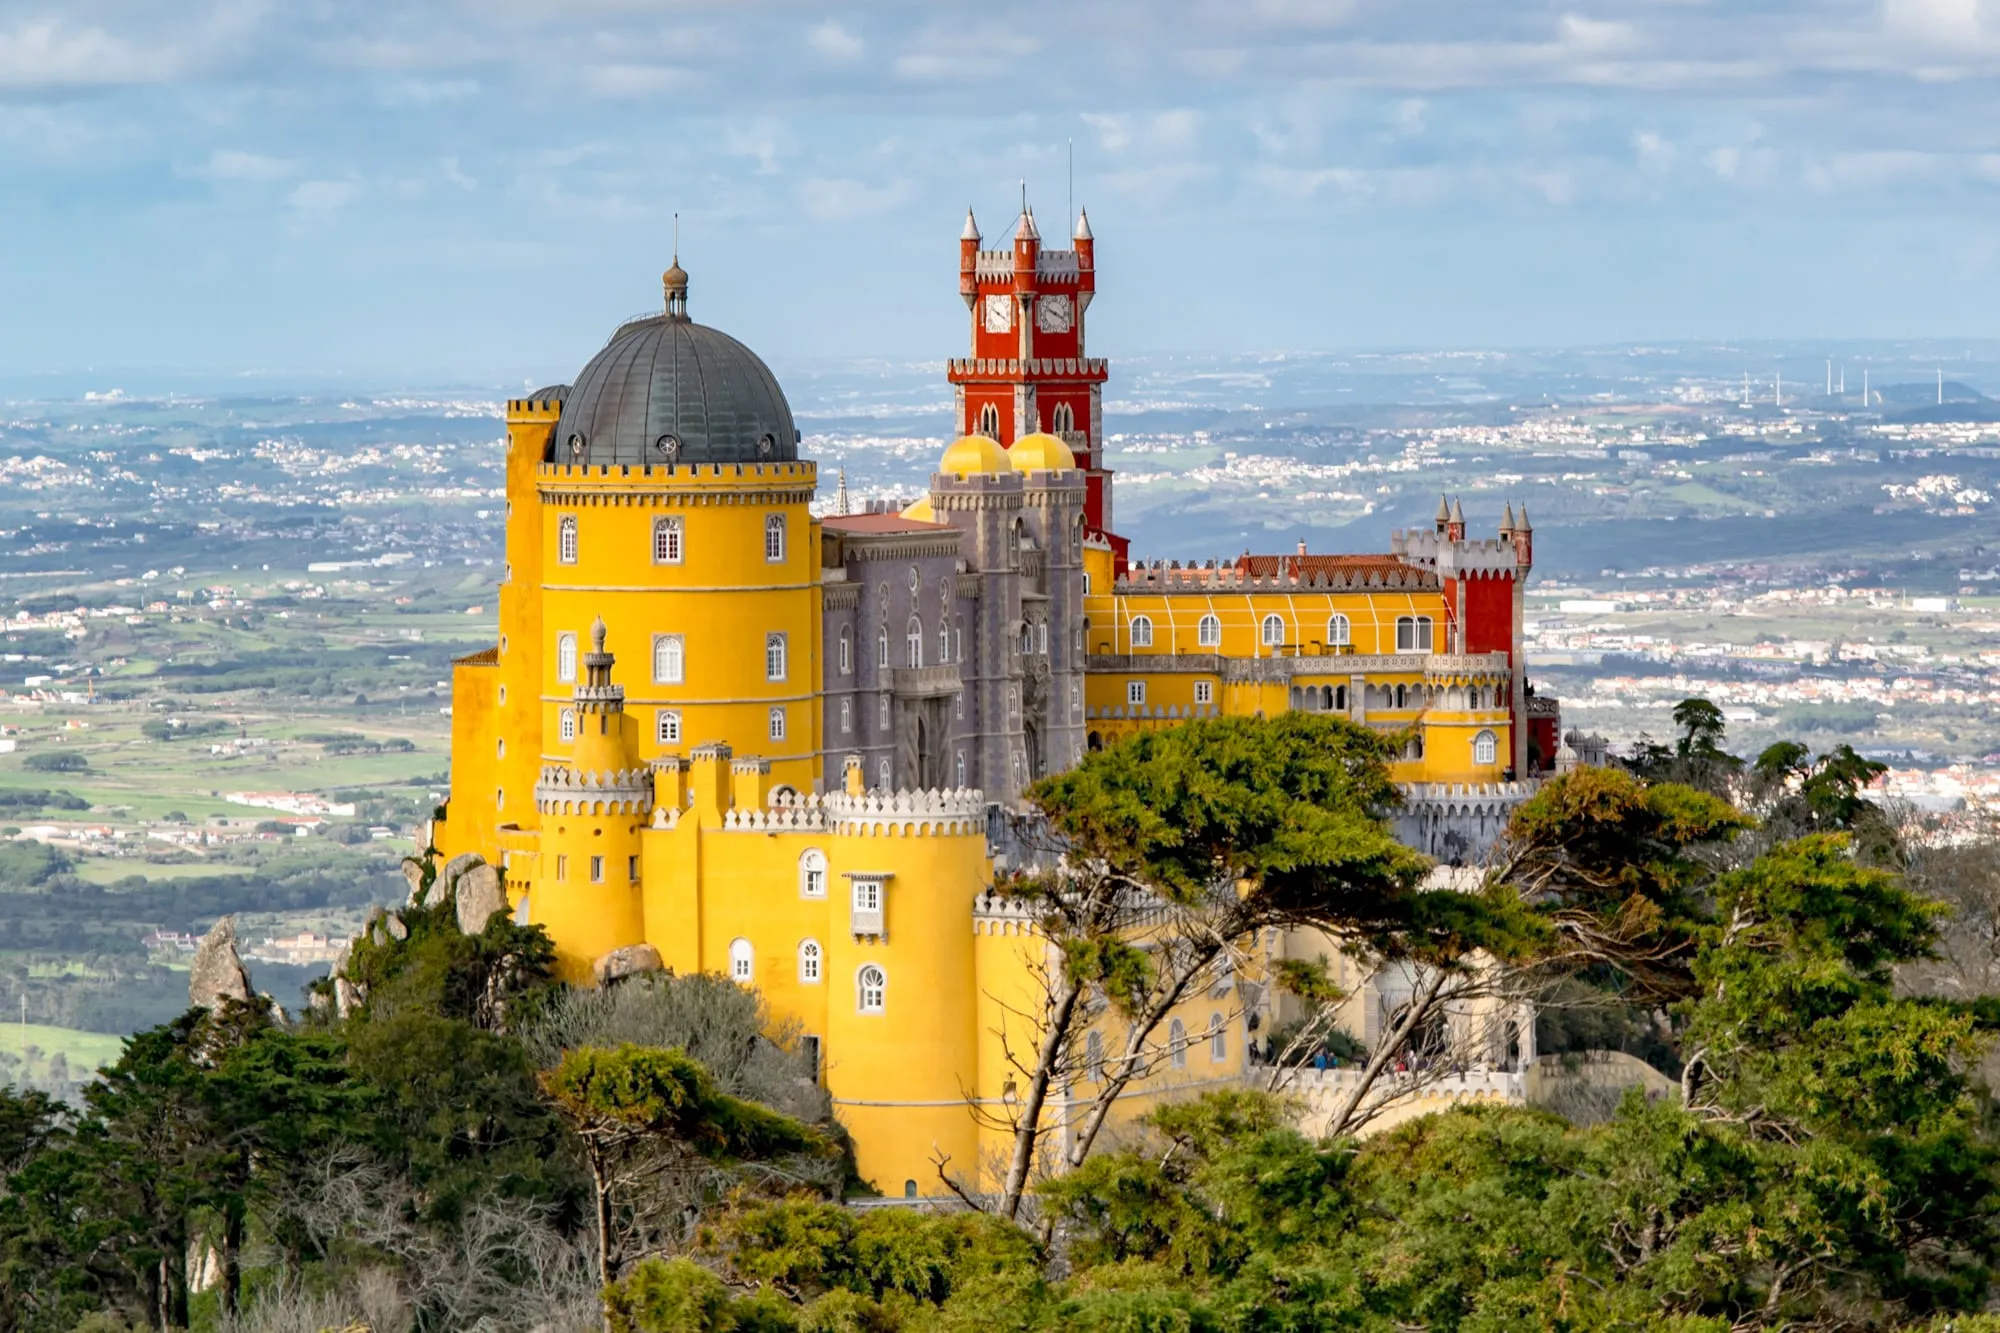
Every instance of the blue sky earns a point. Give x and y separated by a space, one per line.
483 188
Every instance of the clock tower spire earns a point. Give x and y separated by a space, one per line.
1027 370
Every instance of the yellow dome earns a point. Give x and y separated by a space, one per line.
921 510
972 454
1041 452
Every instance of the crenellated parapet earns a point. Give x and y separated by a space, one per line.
1458 821
1156 578
996 913
564 791
949 811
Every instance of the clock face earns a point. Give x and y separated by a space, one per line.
999 314
1053 314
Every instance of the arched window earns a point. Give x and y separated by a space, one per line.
774 657
1485 748
944 641
989 422
913 644
871 988
846 651
777 724
1014 539
1177 1043
1338 633
741 957
565 657
774 538
1208 634
882 647
670 728
667 541
1142 632
1273 633
1076 541
566 539
958 770
1093 1056
1402 696
812 873
568 724
1340 698
1063 418
1218 1041
1413 634
809 960
669 659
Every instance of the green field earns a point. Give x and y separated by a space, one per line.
84 1050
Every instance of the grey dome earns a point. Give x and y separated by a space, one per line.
666 390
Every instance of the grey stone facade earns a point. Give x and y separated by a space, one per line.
962 664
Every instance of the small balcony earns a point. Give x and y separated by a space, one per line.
928 682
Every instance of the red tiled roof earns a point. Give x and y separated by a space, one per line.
1305 566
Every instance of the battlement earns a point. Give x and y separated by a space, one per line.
948 811
996 913
1168 577
1053 266
564 791
1087 368
1465 557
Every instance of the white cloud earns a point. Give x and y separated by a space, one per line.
231 165
620 81
834 42
840 200
315 201
1654 152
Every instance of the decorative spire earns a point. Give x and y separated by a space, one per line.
675 279
1444 510
1507 520
597 633
971 232
840 496
1457 512
1083 225
1524 525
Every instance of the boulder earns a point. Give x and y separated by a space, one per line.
448 877
479 897
346 996
394 925
217 973
413 871
630 961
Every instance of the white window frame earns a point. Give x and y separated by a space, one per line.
883 713
1218 1040
1177 1044
1271 631
567 541
812 873
846 651
1204 691
597 869
566 657
1339 631
1208 633
669 540
1142 631
774 539
776 722
812 960
742 960
1414 634
871 989
1486 748
668 727
882 648
846 716
1093 1056
566 724
775 657
669 659
913 643
1135 692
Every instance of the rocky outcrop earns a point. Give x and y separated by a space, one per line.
630 961
479 895
218 974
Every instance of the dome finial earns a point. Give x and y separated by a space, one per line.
675 279
597 633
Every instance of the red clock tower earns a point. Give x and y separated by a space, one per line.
1028 371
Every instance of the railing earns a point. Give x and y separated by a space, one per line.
924 682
